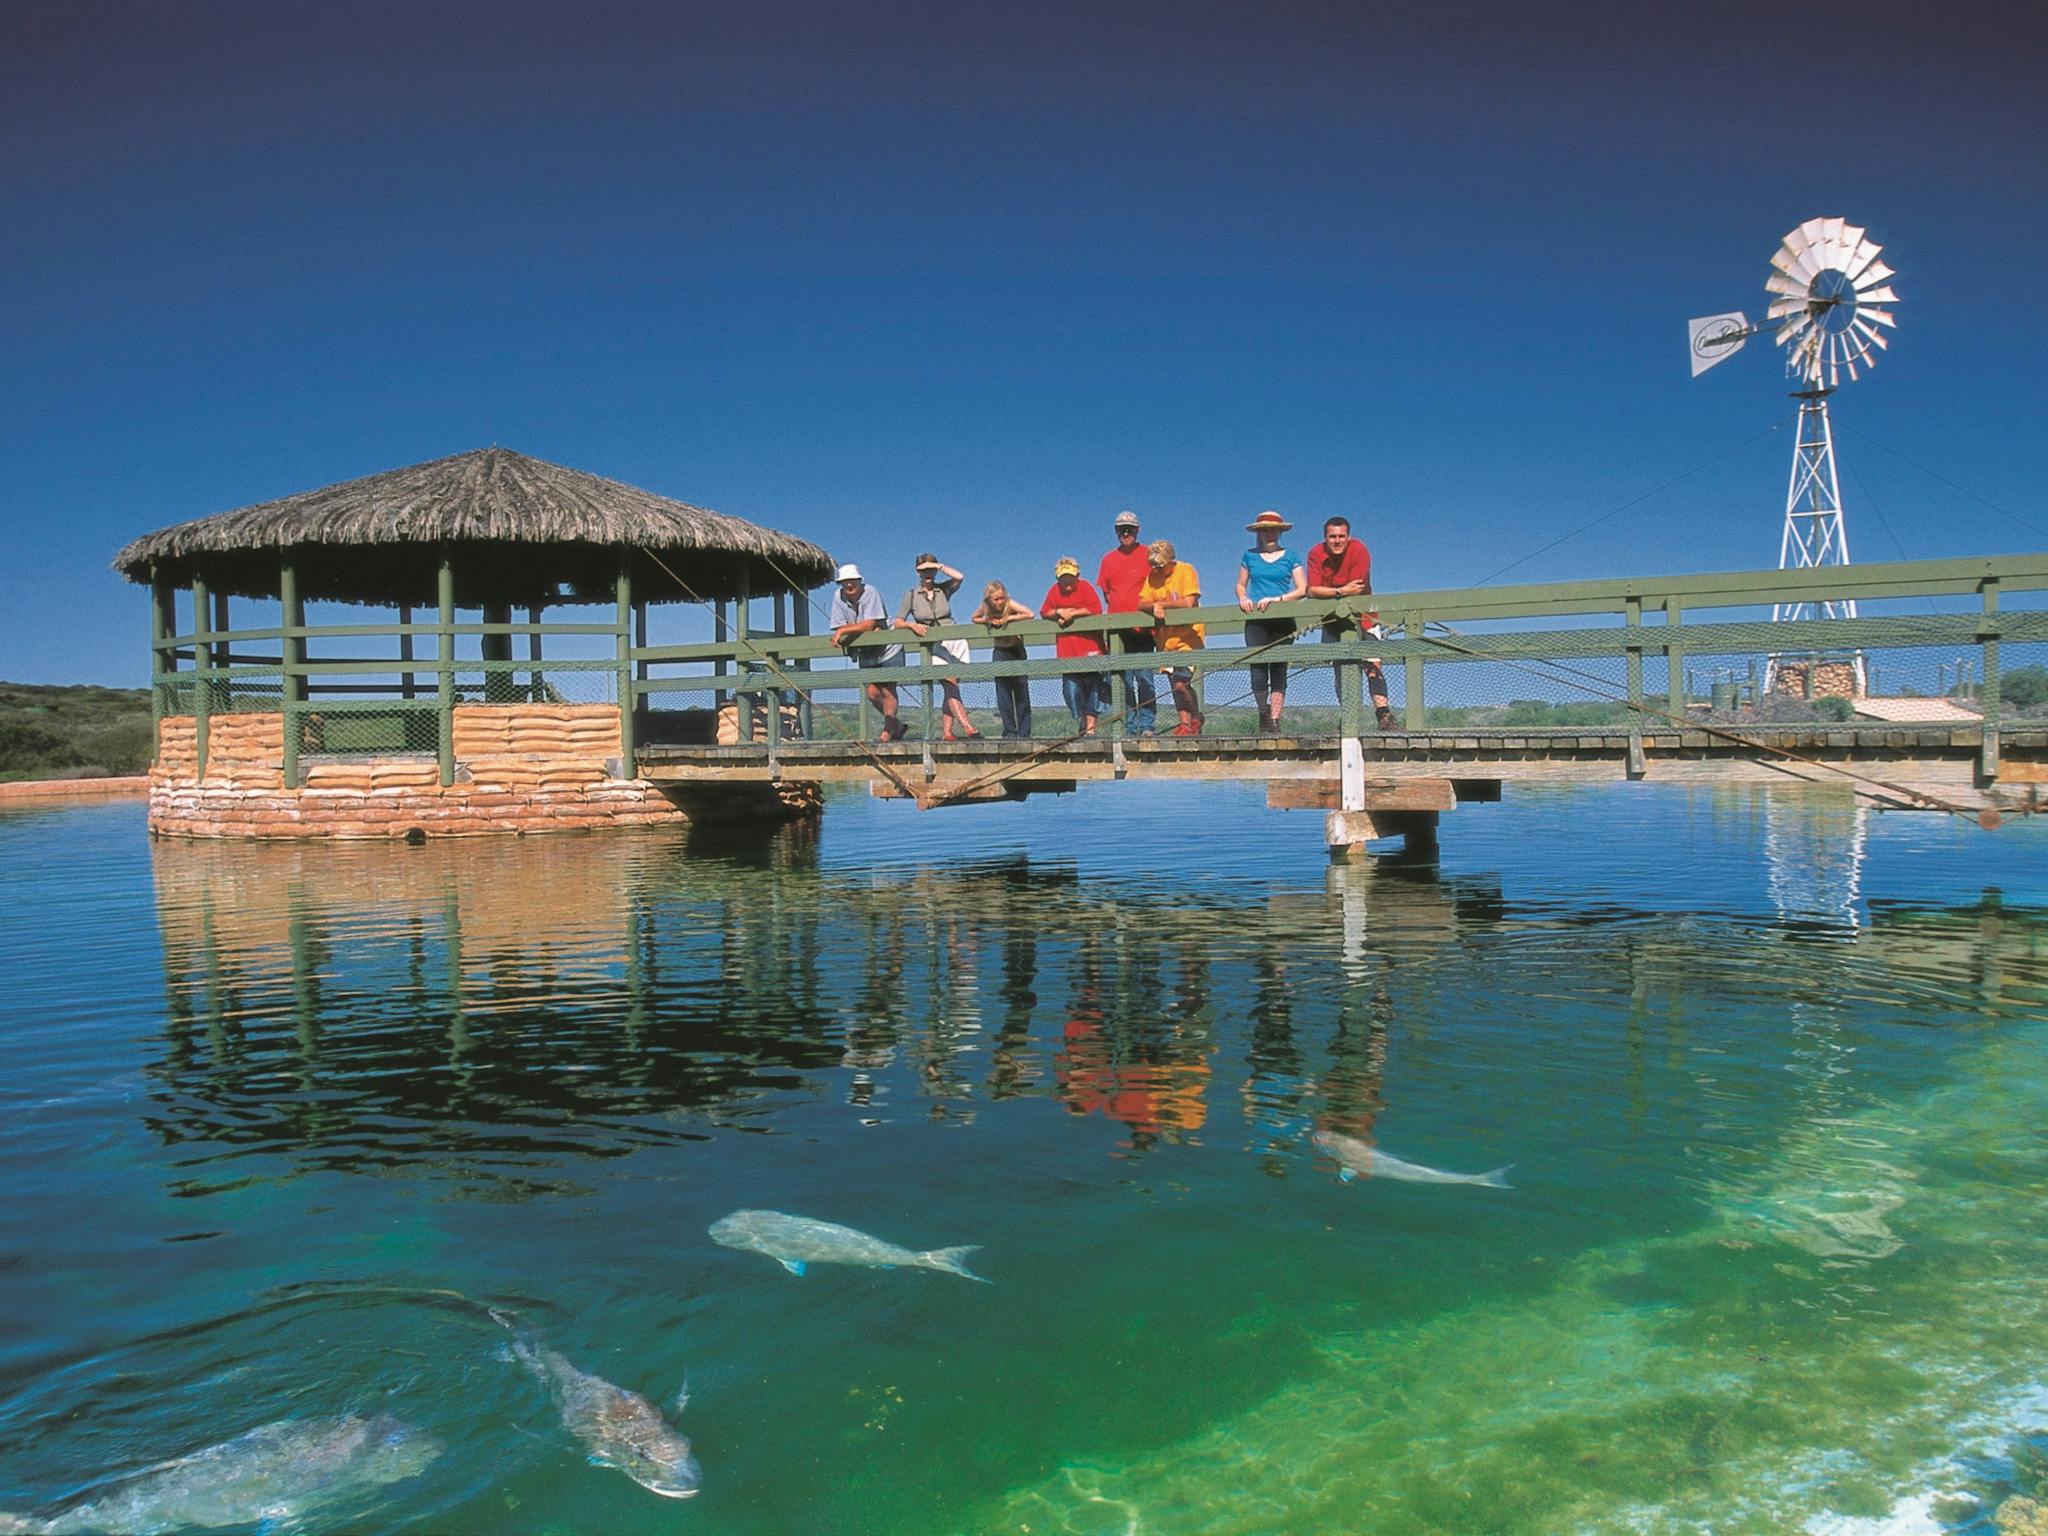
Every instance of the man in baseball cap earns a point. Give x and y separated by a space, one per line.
1121 574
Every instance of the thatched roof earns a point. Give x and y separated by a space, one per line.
516 529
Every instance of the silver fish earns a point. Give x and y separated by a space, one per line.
796 1242
1361 1159
276 1474
619 1428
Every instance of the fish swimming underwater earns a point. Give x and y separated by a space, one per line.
276 1474
796 1242
619 1428
1361 1159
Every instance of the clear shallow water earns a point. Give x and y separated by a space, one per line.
1771 1078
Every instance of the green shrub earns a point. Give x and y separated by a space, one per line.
2024 687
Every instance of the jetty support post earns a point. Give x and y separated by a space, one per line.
202 680
628 748
291 657
444 733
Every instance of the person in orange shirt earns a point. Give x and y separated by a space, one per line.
1172 583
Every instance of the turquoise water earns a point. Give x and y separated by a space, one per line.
1769 1076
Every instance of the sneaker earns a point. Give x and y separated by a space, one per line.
1386 720
893 730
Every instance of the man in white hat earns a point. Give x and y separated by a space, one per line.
857 610
1121 574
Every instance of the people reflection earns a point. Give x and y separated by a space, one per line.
1128 1063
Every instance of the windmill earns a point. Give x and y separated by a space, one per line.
1832 304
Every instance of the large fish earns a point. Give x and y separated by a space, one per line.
278 1474
619 1428
796 1242
1361 1159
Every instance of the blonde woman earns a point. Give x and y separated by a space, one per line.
1013 694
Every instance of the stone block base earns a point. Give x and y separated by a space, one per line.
187 809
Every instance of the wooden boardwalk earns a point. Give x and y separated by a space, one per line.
1403 776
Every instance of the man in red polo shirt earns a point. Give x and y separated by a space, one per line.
1123 571
1341 566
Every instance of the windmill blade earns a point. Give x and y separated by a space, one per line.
1863 265
1784 308
1875 273
1881 316
1872 335
1877 296
1790 285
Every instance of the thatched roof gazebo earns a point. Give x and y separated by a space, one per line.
254 711
515 530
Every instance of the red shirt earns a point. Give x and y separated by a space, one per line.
1083 596
1355 564
1123 572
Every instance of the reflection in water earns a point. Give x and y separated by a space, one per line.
523 999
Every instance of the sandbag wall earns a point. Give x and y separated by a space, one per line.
518 768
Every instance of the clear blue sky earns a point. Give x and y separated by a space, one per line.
975 277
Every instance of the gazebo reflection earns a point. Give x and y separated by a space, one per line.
491 1005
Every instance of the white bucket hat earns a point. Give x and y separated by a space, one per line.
849 573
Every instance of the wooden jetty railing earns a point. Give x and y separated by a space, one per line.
1434 643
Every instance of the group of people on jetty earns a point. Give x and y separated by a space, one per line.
1134 577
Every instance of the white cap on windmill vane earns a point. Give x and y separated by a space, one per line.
848 572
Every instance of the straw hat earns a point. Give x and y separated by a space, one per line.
1268 520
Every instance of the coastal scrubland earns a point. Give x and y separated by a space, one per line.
77 732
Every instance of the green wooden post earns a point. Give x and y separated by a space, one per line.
536 684
1119 684
202 680
775 692
1674 654
1634 619
223 656
445 711
628 764
163 602
801 602
1988 699
1411 667
742 629
291 658
1350 687
719 634
406 687
929 654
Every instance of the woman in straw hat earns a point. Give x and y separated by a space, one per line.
931 602
1269 574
